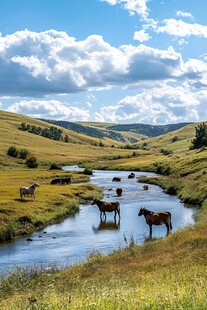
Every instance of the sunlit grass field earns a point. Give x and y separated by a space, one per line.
167 273
52 203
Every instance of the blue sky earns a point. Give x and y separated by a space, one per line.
120 61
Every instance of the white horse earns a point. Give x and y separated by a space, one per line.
25 191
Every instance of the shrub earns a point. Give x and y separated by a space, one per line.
31 162
175 139
161 168
13 151
166 151
55 166
88 171
23 153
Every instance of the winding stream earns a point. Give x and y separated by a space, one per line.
75 238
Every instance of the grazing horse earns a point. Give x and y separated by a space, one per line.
119 191
107 207
156 218
25 191
116 179
61 181
131 175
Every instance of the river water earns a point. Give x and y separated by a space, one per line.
76 238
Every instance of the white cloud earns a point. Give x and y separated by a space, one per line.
51 62
184 14
141 36
180 28
159 105
51 109
133 6
48 63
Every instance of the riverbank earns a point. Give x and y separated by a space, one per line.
169 273
53 203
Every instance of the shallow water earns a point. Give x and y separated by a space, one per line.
75 238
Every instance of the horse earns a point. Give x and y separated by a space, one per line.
156 218
131 175
25 191
116 179
61 181
119 191
145 187
107 207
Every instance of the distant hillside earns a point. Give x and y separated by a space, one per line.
148 130
99 132
135 132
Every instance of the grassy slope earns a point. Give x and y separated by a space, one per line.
169 273
47 150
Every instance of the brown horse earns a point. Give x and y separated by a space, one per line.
119 191
107 207
156 218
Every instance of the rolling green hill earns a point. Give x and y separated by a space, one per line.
167 273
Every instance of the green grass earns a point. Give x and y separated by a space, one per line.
53 202
168 273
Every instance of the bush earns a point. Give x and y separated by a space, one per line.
23 153
13 151
166 151
161 168
31 162
55 166
88 171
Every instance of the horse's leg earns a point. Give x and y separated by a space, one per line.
167 225
115 214
150 230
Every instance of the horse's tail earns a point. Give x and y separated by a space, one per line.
20 192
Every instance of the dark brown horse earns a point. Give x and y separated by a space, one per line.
107 207
116 179
156 218
119 191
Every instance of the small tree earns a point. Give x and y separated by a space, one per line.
200 136
13 151
31 162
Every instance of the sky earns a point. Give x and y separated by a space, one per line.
117 61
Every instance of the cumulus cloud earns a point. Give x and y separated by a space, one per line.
51 62
159 105
51 109
141 36
184 14
180 28
133 6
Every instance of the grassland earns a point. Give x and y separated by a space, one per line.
169 273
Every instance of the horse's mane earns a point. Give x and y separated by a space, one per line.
146 211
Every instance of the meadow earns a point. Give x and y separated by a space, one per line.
167 273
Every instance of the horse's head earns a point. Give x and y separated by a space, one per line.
141 211
36 184
94 202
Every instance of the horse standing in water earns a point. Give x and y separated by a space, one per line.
156 218
107 207
25 191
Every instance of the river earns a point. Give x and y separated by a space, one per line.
76 238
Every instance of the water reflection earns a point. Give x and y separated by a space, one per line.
107 225
71 240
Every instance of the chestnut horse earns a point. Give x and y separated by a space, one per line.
156 218
107 207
